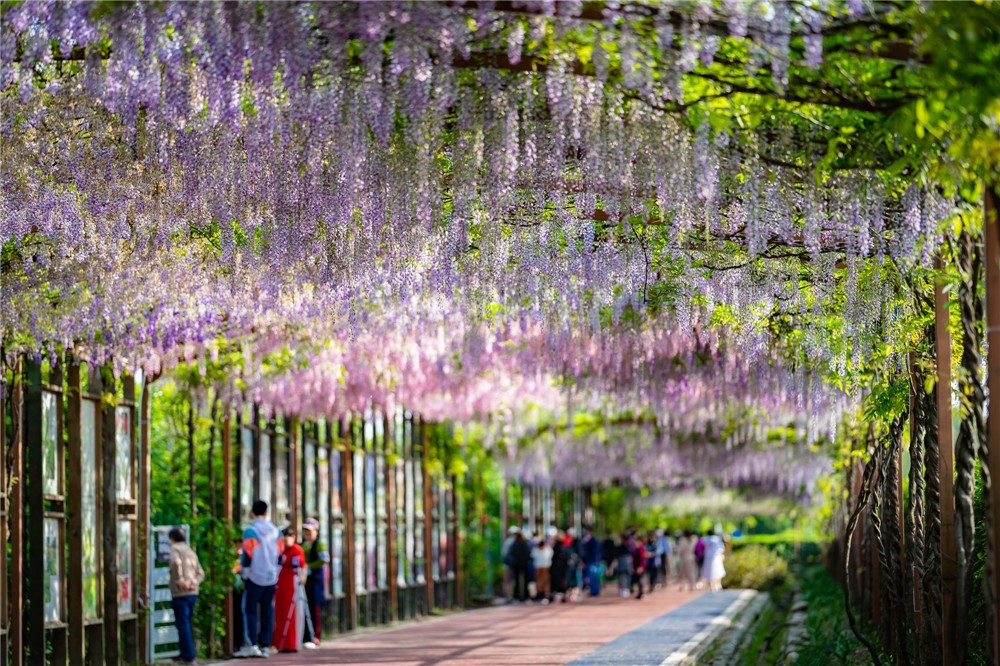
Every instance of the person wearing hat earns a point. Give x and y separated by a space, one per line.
292 567
317 557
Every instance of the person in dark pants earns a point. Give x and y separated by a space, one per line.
590 552
317 558
259 568
520 561
186 575
638 551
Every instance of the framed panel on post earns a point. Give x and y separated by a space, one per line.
126 499
45 627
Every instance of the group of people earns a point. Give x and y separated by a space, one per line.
282 580
559 565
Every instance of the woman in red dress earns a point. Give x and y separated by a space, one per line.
292 562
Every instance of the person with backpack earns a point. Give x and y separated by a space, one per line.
259 568
317 557
699 553
186 575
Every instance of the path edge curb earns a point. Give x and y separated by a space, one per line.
704 639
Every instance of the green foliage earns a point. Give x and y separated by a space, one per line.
756 567
212 538
829 638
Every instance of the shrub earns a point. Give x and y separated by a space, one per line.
756 567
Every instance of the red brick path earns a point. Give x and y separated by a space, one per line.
506 635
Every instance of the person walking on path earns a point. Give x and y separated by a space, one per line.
590 552
652 561
508 576
259 568
638 551
317 557
520 561
186 575
559 573
291 574
541 556
688 561
713 570
664 550
623 566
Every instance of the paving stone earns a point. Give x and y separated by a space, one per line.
636 631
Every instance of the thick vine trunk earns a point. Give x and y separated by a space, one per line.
864 496
972 429
915 514
896 578
932 647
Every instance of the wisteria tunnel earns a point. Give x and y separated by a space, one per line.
459 304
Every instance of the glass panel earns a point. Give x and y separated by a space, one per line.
370 522
51 478
337 561
246 473
359 557
53 568
447 543
418 526
359 524
88 508
282 512
383 566
123 451
309 478
359 483
125 582
323 493
335 483
435 510
409 537
265 470
400 518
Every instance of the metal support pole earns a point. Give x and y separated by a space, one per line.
946 468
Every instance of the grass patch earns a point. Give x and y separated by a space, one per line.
829 640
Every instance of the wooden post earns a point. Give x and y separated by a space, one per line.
4 609
389 447
456 543
34 631
993 360
227 508
109 523
946 468
17 519
74 516
142 543
428 517
347 472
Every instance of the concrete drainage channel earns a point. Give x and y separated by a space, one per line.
729 645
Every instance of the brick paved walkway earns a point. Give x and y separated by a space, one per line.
530 634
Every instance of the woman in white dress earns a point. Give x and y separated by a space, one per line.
688 561
712 570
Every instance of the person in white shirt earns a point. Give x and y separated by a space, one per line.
541 556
